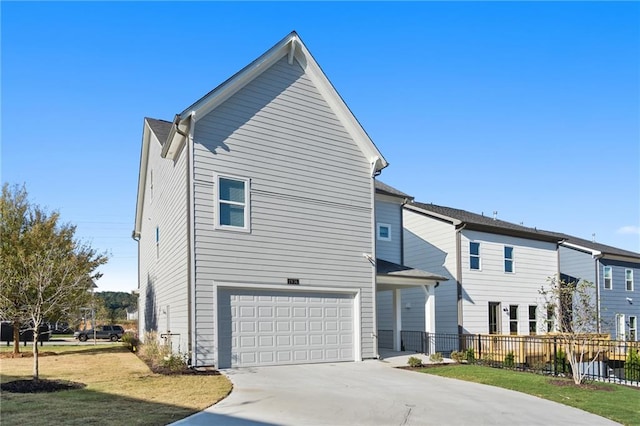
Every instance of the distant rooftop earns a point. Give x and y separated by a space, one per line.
383 188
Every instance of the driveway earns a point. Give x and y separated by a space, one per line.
373 393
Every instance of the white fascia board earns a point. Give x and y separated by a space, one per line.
142 178
416 209
177 139
581 248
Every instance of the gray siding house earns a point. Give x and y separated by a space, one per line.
255 222
614 272
495 269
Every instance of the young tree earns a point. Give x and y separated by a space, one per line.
573 307
50 273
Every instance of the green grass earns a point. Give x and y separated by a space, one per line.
615 402
120 389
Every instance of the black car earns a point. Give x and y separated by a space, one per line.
111 332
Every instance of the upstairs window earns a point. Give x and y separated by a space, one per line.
384 232
508 259
608 278
232 203
474 255
628 278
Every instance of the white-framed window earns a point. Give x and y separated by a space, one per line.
608 278
628 279
533 320
633 328
494 318
508 259
383 231
474 255
513 319
232 203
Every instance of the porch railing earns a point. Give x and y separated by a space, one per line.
615 361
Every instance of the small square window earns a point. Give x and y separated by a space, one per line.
384 232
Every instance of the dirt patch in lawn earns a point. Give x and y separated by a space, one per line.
588 386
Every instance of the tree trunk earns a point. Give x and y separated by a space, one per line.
36 365
16 337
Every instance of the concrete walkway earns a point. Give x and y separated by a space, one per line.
372 393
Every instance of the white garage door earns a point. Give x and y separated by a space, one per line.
277 327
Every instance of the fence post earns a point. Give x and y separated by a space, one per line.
555 357
479 348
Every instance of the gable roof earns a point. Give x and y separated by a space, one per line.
294 49
473 221
594 248
161 128
383 188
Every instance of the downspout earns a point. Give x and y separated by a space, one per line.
597 276
404 202
459 276
190 246
374 332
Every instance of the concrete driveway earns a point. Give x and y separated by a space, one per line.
373 393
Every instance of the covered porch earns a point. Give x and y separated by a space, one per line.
393 278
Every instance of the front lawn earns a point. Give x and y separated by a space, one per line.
120 389
615 402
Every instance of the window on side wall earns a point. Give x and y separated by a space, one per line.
474 255
628 278
232 203
533 320
513 319
608 278
494 317
633 328
383 232
508 259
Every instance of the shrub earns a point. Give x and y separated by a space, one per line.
436 357
632 365
131 341
458 356
509 360
174 362
414 362
470 355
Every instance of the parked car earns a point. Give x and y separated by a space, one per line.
111 332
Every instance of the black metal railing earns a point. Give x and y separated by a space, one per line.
603 359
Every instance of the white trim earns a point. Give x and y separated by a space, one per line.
383 225
216 203
285 287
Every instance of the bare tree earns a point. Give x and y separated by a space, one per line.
50 273
572 307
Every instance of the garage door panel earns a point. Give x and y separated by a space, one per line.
272 327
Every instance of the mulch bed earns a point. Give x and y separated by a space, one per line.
589 386
38 386
25 354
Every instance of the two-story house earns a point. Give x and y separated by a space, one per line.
496 269
255 222
613 272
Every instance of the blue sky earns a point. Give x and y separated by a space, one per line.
528 109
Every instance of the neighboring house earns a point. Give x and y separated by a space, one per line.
393 312
496 269
255 222
615 273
